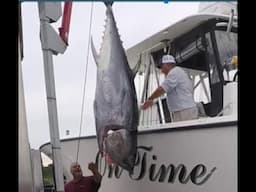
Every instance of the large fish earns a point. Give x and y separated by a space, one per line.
115 104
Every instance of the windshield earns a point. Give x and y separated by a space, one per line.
227 46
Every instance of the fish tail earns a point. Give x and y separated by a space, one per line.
108 3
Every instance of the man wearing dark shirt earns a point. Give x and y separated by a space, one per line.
81 183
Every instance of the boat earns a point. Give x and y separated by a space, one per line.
194 155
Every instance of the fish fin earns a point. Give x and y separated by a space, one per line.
94 52
107 2
136 68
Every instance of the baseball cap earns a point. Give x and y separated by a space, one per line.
168 59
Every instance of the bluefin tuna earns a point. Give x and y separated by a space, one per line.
115 103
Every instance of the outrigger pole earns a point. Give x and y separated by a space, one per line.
51 44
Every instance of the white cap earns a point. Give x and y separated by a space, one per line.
168 59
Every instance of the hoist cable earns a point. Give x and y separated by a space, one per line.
85 78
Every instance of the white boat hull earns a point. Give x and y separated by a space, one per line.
196 158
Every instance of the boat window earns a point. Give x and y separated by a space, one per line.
213 70
227 46
215 76
192 55
201 87
190 50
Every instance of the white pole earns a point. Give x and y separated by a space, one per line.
53 120
51 97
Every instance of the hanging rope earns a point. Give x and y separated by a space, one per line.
85 78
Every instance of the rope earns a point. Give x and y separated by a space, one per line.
85 78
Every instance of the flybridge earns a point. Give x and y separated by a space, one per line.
202 46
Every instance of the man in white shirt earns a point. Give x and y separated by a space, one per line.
179 91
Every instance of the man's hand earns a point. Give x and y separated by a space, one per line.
147 104
96 174
92 166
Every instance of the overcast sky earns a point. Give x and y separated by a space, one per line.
135 20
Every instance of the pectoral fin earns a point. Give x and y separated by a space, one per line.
94 52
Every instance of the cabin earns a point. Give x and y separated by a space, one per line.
206 51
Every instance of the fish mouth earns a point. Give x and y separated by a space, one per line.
116 145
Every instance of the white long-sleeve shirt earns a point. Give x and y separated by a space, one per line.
179 90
